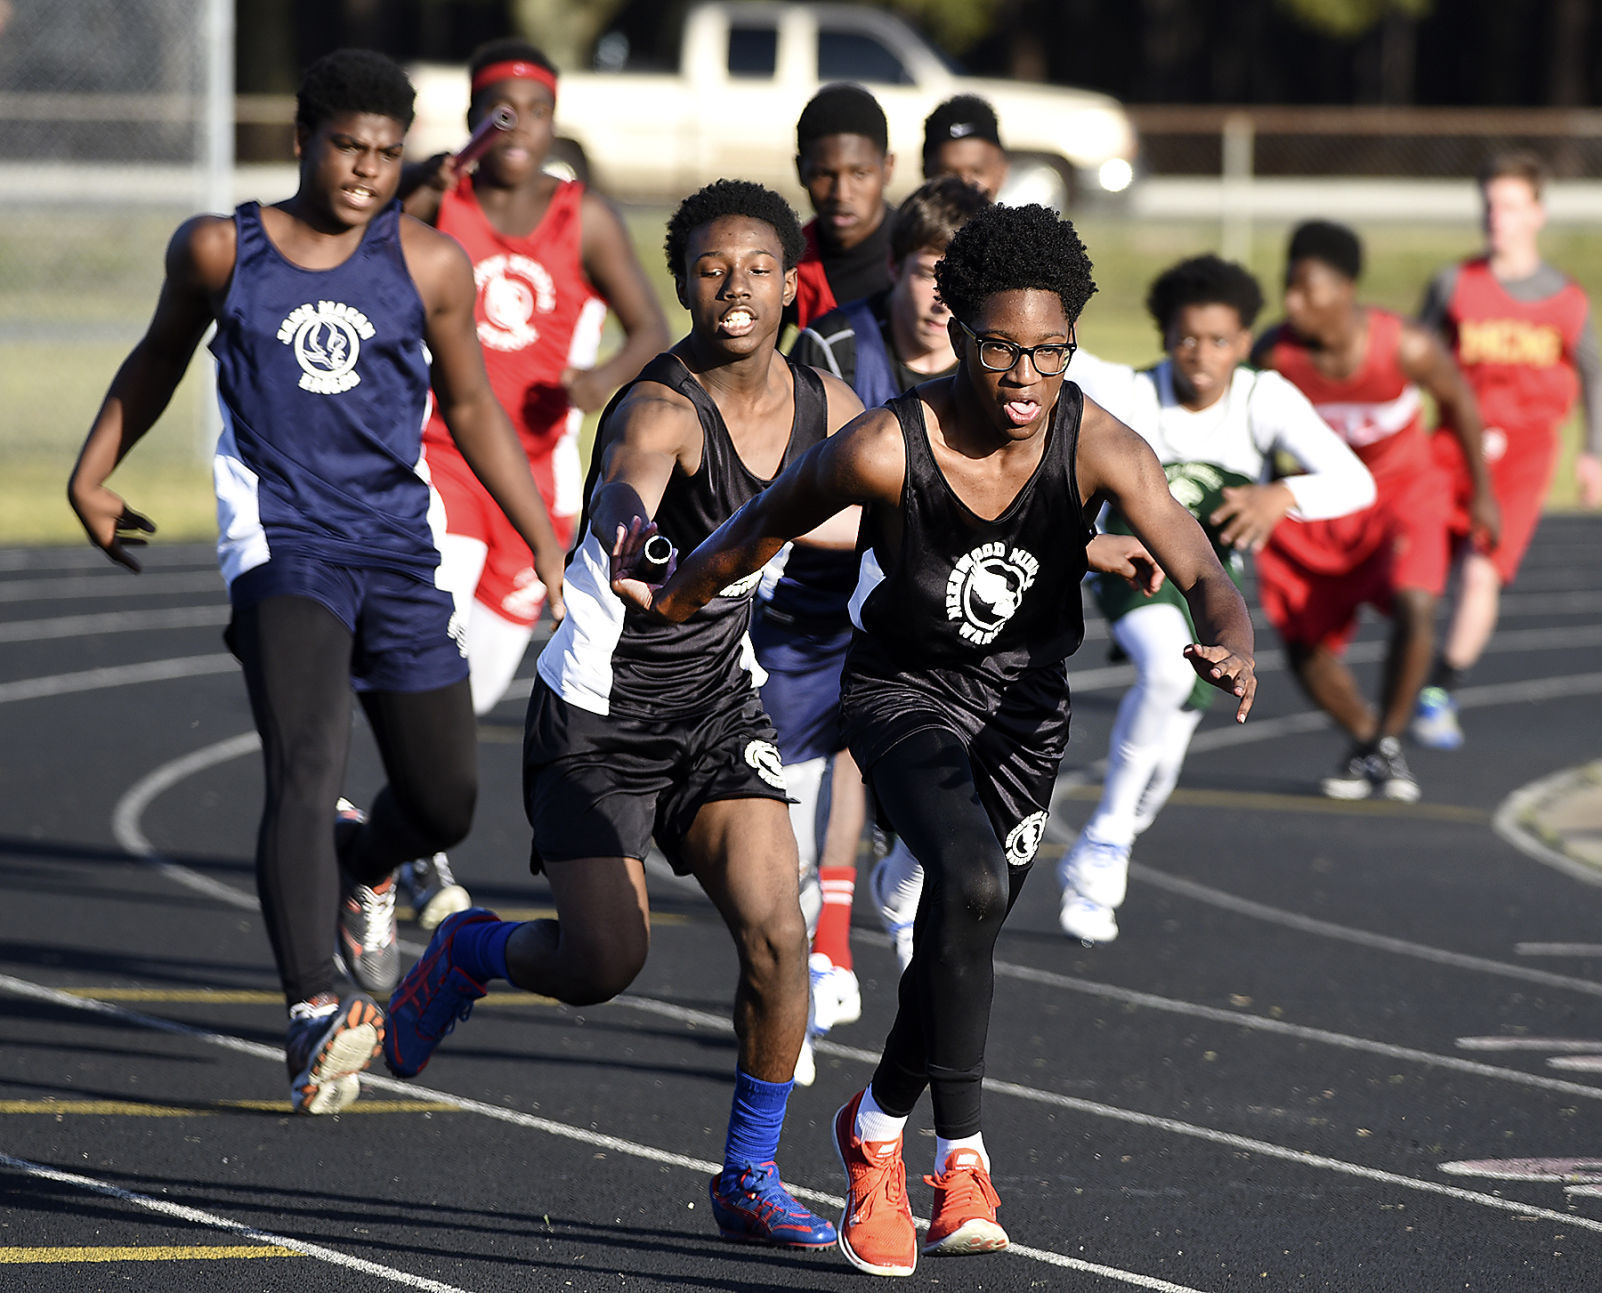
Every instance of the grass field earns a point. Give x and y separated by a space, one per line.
74 297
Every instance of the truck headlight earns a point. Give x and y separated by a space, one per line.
1115 175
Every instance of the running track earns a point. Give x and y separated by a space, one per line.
1342 1047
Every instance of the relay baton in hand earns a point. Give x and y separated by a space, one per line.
654 559
479 142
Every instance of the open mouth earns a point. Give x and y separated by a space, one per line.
736 323
359 195
1021 412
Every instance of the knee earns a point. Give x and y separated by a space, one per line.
602 969
773 946
1168 683
973 890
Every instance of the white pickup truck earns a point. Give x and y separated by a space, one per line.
747 68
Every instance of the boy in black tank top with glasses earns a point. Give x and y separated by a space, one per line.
977 492
640 729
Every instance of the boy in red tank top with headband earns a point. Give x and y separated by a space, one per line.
549 257
1522 333
1363 368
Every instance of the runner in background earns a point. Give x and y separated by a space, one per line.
1219 427
548 258
1363 367
844 162
1523 334
961 137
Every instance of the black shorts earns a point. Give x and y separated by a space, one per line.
1015 739
599 786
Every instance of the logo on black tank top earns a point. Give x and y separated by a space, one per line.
510 289
326 338
986 588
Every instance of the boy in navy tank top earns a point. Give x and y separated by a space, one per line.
328 306
977 492
638 729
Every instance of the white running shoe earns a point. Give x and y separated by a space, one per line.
896 898
1096 871
433 890
806 1063
1089 922
836 996
1435 722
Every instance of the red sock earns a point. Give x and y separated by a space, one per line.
833 938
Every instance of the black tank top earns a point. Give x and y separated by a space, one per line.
609 659
986 600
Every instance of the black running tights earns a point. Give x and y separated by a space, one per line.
296 657
925 787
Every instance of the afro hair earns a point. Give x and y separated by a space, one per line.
1328 243
843 108
1204 280
354 80
1005 249
731 198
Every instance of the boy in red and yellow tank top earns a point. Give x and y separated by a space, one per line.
1521 331
548 258
1362 368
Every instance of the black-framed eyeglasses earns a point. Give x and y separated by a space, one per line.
998 356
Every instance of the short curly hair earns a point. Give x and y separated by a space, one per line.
1330 244
843 108
1204 280
731 198
1004 249
354 80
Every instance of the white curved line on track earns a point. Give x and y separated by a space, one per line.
532 1122
182 1212
122 675
1508 822
71 626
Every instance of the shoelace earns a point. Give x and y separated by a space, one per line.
962 1185
761 1185
378 910
884 1178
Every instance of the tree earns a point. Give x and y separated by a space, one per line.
1390 75
565 29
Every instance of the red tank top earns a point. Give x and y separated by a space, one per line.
1517 355
1377 410
536 312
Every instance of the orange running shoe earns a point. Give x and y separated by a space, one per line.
876 1230
965 1202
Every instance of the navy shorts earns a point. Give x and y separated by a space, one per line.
602 786
802 693
405 634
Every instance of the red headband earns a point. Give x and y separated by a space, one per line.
515 69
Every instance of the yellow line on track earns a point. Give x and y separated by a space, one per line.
228 997
198 1252
141 1109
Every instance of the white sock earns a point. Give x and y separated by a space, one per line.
944 1149
903 882
873 1123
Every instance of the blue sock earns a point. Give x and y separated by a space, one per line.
479 949
755 1120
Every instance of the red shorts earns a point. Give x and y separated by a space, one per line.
1313 576
1521 474
507 584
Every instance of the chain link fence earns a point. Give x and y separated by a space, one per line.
115 125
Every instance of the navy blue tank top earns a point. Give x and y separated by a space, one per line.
322 376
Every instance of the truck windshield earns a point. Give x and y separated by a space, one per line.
857 56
